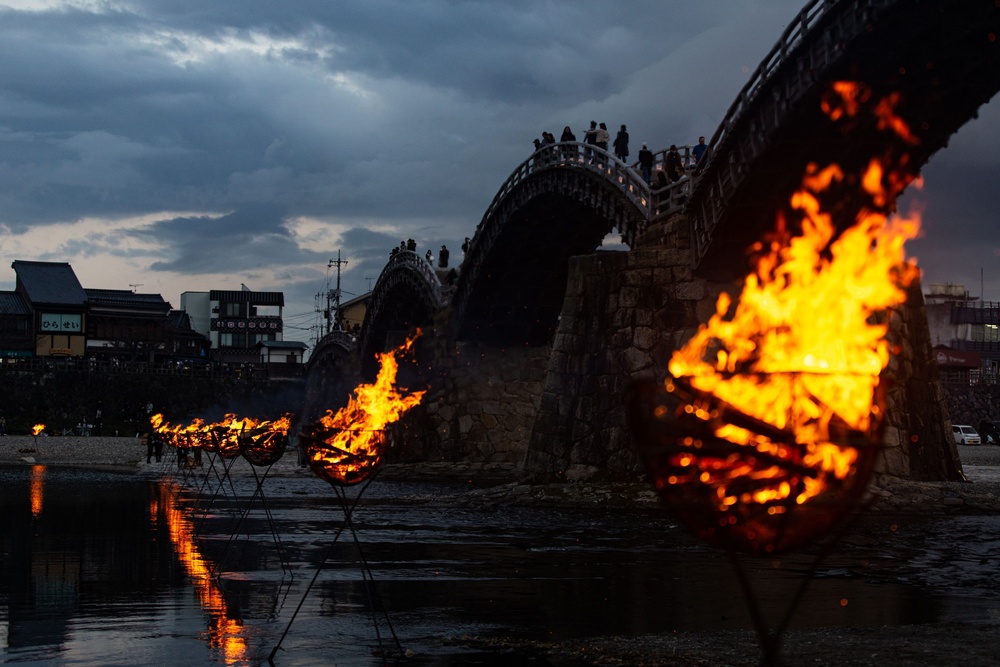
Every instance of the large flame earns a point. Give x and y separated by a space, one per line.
803 346
346 447
37 428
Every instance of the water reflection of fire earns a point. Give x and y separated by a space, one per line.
776 402
223 632
37 489
347 447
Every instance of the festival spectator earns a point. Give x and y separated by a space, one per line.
429 256
699 150
567 135
443 257
673 165
621 144
603 137
646 163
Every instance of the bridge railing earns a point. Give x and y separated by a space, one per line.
726 176
793 35
579 156
669 197
412 259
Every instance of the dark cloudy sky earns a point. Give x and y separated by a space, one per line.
192 144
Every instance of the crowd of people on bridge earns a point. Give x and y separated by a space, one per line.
597 135
444 254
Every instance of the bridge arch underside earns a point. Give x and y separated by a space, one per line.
520 286
942 56
406 302
330 376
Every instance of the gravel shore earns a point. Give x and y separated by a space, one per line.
499 483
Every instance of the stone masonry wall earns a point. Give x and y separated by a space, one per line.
480 406
623 316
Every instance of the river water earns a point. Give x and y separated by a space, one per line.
105 568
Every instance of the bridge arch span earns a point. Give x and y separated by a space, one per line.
560 202
330 374
408 294
942 57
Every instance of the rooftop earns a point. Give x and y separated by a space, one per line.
50 283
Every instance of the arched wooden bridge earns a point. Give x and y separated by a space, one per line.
942 57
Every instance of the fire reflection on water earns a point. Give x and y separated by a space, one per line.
224 633
37 489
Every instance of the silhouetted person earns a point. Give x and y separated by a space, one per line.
699 150
567 135
443 257
429 256
646 163
673 165
621 144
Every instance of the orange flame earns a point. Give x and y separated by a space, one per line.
804 346
223 436
37 428
347 447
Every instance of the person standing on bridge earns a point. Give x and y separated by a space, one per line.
590 138
603 137
621 144
673 164
568 152
699 150
443 257
646 163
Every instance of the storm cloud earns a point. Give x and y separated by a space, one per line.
185 145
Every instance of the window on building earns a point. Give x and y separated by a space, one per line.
233 340
989 333
234 309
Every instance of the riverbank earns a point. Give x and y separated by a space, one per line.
496 483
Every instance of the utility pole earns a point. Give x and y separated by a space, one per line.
333 296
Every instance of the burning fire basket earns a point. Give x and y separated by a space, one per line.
749 487
743 484
347 458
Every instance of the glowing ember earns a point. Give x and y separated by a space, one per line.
777 398
37 429
347 447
